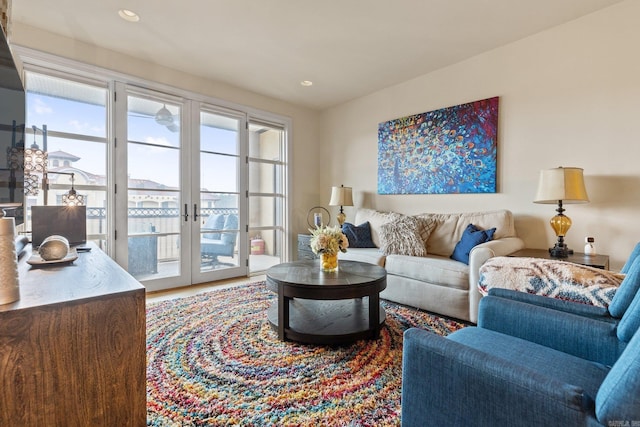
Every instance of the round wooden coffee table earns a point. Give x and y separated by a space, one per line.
326 308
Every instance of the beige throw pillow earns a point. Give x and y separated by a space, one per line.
402 236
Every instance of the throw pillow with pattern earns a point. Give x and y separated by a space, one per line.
427 225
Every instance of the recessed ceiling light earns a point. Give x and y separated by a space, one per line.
128 15
306 83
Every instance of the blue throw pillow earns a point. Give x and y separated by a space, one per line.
471 237
358 236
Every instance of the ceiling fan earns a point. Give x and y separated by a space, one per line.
165 118
162 117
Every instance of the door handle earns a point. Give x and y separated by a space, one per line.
195 212
186 213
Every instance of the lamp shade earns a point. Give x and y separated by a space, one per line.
35 160
72 198
341 196
565 184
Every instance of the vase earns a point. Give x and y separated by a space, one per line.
9 281
328 262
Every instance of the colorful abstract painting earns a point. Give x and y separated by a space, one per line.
451 150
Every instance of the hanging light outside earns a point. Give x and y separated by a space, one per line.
35 159
72 198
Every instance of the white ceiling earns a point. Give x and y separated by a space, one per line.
348 48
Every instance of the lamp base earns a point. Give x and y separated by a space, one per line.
560 250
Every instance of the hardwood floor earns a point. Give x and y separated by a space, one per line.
204 287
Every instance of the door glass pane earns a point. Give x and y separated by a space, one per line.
263 177
218 172
218 134
153 122
153 167
263 211
265 142
154 215
219 165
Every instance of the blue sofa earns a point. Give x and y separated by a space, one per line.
482 377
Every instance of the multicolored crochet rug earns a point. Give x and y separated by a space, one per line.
214 360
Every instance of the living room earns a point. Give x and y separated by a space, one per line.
568 97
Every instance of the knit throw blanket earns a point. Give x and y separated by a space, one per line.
551 278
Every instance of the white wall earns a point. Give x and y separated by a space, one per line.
304 139
569 96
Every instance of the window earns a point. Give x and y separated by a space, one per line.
70 119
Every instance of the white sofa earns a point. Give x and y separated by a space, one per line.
436 282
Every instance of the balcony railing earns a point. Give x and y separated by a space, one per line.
162 223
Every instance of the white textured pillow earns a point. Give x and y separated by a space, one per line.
401 236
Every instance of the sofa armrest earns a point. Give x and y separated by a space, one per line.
589 338
478 256
446 383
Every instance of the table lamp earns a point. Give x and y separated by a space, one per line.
561 185
341 196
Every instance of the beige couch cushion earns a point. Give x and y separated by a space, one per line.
431 269
450 226
369 255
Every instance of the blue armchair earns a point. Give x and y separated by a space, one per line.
479 377
220 237
582 330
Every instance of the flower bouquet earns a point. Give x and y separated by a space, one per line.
328 241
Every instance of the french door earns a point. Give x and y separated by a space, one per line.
179 208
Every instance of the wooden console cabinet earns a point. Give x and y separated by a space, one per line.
72 349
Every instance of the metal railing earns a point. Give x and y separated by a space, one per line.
163 223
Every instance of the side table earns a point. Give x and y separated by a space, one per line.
304 247
597 261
